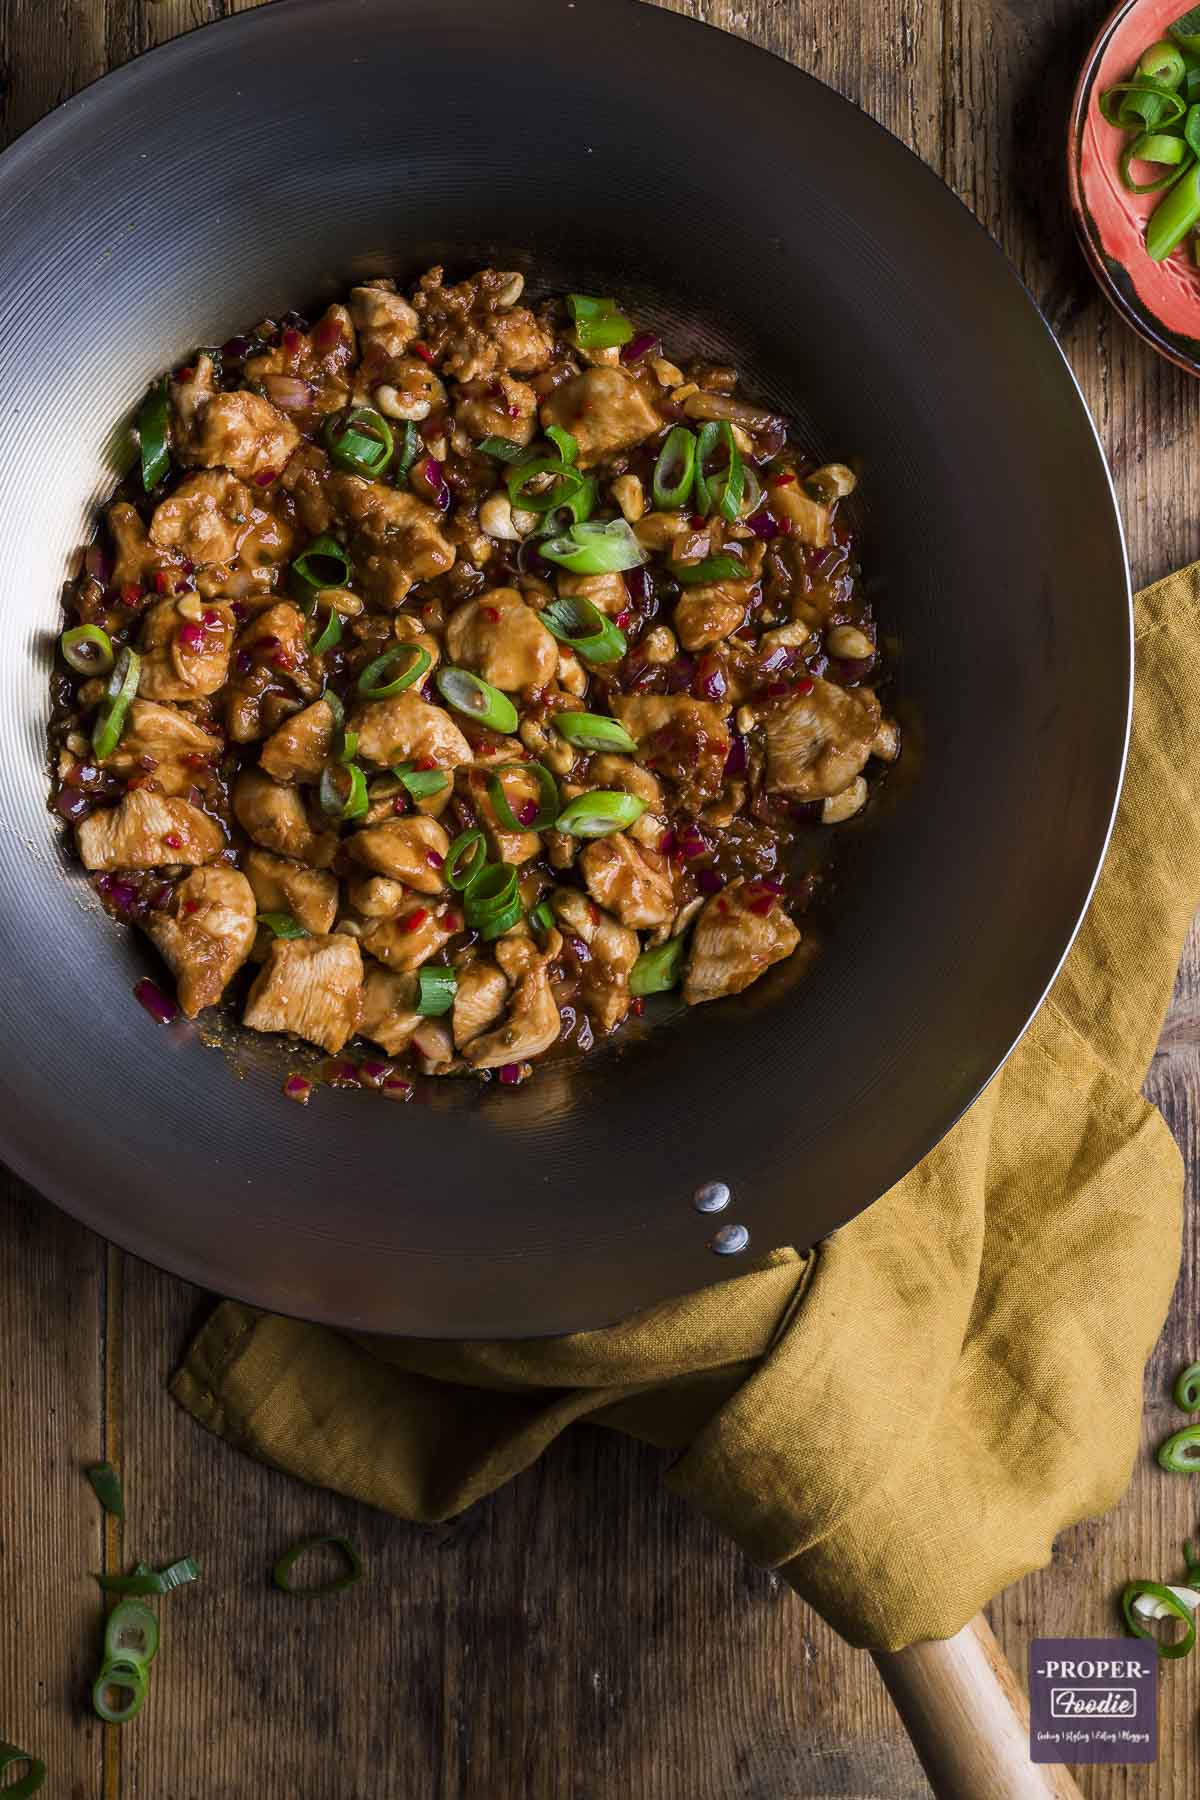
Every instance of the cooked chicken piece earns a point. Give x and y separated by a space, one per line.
631 881
376 897
305 479
408 729
658 530
407 850
502 639
740 932
434 1047
607 593
514 847
710 613
205 518
386 324
627 776
160 740
276 818
478 1001
604 410
501 407
281 885
191 393
183 658
206 935
614 951
146 830
478 329
818 742
810 521
271 649
243 433
685 740
412 935
389 1009
300 748
266 546
532 1021
404 530
134 559
309 985
312 357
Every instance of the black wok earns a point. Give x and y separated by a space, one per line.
266 162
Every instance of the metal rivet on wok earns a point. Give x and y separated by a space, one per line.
712 1197
729 1240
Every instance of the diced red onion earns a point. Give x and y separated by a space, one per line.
527 813
736 761
434 860
396 1087
266 478
766 526
681 672
291 340
708 881
161 1009
775 660
822 563
341 1072
374 1072
640 345
298 1088
637 584
191 637
266 643
327 334
762 904
852 669
243 662
239 610
98 564
711 682
777 689
119 895
694 844
806 812
510 1074
236 349
288 392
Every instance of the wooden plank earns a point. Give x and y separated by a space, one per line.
51 1531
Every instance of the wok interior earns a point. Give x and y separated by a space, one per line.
777 229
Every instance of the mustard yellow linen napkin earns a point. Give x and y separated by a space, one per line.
903 1420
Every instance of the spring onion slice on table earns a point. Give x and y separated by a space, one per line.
30 1782
120 1677
88 650
1186 1392
153 1581
1168 1604
1181 1453
337 1584
107 1486
131 1634
153 426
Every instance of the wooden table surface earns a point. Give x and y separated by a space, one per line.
582 1635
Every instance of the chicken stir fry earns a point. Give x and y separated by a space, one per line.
454 673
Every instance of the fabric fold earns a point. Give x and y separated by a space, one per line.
904 1419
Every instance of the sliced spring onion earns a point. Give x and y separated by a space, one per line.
465 860
574 620
30 1782
353 804
1186 31
372 683
330 634
131 1634
657 970
110 715
360 440
599 813
88 650
421 783
282 925
336 1585
153 424
411 446
542 916
437 990
567 483
127 1680
675 470
593 731
547 800
334 702
1163 62
503 449
1153 147
1141 101
1186 1392
477 699
712 568
723 489
502 921
564 443
595 548
572 510
323 565
107 1485
152 1581
492 903
345 748
1181 1452
1175 215
1191 131
1175 1608
598 323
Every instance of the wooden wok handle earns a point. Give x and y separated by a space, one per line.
969 1720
